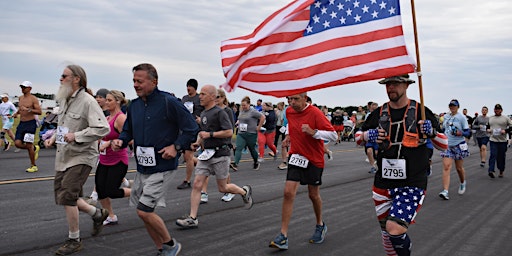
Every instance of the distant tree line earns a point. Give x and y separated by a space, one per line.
44 96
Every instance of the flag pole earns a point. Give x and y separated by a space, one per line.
418 66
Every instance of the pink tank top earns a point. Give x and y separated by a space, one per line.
113 157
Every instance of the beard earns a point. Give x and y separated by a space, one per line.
65 91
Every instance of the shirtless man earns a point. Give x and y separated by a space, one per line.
28 107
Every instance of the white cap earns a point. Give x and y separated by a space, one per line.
4 95
26 84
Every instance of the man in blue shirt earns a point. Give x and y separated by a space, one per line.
160 127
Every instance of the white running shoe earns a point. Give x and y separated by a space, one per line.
204 198
462 188
228 197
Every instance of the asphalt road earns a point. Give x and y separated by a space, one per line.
477 223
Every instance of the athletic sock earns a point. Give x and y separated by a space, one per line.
170 243
74 235
402 244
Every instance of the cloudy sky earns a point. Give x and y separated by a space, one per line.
465 47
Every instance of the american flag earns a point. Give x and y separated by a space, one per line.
309 45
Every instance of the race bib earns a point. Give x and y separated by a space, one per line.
298 160
146 156
207 154
394 169
282 129
483 128
189 105
59 136
242 127
463 146
29 138
496 131
103 152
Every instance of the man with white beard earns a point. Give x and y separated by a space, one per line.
81 124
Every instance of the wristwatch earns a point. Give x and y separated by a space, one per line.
177 147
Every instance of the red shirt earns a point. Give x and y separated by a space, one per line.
303 143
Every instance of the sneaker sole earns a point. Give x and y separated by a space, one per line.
248 189
274 245
186 227
444 197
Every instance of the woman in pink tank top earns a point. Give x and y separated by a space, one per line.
113 165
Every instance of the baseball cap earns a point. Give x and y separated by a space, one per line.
26 84
102 93
498 106
4 95
454 102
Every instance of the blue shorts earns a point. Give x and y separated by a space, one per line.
7 125
482 141
25 127
456 152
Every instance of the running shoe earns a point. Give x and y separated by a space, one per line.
261 160
97 221
204 197
227 197
247 197
482 164
16 150
491 174
7 146
110 221
256 166
319 235
168 250
32 169
280 242
444 195
329 155
233 166
36 152
187 222
184 185
283 166
372 170
462 188
69 247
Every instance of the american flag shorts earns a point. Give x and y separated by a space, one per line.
401 203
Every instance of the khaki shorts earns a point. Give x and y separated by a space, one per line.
218 166
68 185
148 190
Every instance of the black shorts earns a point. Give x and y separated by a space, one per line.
311 175
25 127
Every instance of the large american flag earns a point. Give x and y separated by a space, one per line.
309 45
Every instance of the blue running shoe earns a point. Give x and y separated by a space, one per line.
319 235
280 242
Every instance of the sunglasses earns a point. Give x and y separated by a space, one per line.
64 76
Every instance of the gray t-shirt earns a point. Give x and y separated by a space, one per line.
248 121
497 124
193 105
213 120
480 125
